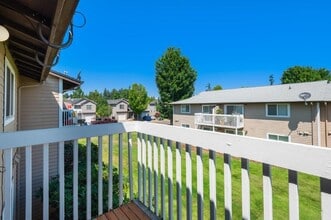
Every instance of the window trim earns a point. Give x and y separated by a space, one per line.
241 105
121 106
9 119
189 109
278 116
289 137
88 107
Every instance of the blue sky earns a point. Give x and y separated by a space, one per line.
232 43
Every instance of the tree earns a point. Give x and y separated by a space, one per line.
217 87
101 102
77 93
271 79
299 74
174 79
138 98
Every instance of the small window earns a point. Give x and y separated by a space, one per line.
77 106
121 106
185 108
231 131
278 137
88 107
278 110
207 109
9 93
234 109
185 125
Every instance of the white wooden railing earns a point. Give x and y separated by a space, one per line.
219 120
154 143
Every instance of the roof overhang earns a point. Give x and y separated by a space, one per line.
26 21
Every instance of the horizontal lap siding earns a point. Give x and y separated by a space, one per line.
39 109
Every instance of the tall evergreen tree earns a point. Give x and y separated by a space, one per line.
174 79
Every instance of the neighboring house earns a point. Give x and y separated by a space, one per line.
31 95
150 110
84 108
120 109
299 112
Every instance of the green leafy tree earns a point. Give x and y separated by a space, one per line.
299 74
138 98
101 102
174 79
77 93
218 87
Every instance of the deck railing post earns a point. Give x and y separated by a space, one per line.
227 187
8 209
100 170
149 158
120 167
28 183
130 165
162 163
156 176
75 181
267 192
179 180
45 181
139 149
188 182
212 184
170 179
110 172
293 194
245 189
88 179
61 181
200 183
144 146
325 185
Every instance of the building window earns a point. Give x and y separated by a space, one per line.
185 108
185 125
121 106
232 131
278 110
278 137
9 96
234 109
77 107
88 107
207 109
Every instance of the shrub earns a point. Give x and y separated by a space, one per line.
54 184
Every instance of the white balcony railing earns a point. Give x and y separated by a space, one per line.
220 120
155 163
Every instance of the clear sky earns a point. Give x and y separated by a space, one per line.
232 43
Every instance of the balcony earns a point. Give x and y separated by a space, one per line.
229 172
219 120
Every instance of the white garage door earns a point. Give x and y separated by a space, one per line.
122 117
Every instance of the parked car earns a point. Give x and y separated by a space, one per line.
147 118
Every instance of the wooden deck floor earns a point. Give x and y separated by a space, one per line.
130 211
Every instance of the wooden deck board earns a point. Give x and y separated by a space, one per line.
130 211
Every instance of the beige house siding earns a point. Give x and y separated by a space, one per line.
39 109
301 126
4 53
87 111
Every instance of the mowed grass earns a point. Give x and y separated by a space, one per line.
309 193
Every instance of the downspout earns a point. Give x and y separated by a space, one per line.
3 92
60 103
318 121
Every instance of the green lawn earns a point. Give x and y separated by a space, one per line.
308 185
